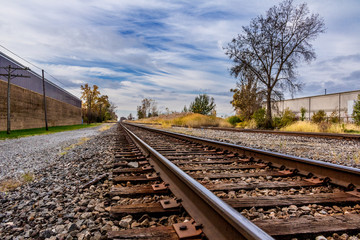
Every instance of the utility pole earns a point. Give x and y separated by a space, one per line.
46 122
10 76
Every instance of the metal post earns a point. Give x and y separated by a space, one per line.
8 101
46 122
339 107
309 108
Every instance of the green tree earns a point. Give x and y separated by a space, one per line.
356 111
203 104
272 46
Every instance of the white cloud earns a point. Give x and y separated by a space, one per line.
109 43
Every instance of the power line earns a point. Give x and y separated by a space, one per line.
34 65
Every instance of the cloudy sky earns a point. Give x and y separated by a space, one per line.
169 51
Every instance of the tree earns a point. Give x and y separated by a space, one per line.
356 111
203 104
130 117
148 108
102 105
247 98
272 46
89 96
97 107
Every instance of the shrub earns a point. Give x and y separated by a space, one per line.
324 126
334 117
303 112
319 116
287 118
233 120
259 117
356 111
277 122
248 124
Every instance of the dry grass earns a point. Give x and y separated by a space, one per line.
80 142
105 127
11 184
186 120
301 126
306 126
251 124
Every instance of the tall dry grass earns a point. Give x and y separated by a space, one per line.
187 120
306 126
301 126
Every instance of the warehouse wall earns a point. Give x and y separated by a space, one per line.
340 102
27 109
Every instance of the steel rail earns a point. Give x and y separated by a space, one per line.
219 220
344 176
344 136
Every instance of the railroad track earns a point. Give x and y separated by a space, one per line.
344 136
204 185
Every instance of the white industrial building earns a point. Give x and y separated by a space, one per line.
342 103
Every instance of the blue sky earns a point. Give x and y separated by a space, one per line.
170 51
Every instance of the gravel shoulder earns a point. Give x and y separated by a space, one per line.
342 152
25 155
55 205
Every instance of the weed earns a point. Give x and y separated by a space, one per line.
27 177
63 153
9 185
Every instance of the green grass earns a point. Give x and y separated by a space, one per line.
40 131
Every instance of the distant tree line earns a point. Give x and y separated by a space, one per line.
96 107
202 104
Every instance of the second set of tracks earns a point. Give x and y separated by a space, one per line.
225 191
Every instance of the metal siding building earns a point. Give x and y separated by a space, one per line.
342 103
34 83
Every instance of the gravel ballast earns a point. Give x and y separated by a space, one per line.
336 151
56 205
27 154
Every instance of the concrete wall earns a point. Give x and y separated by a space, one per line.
340 102
27 109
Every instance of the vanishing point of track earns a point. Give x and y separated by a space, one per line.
210 183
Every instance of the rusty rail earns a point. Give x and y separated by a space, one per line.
218 220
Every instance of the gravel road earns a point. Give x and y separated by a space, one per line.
342 152
27 154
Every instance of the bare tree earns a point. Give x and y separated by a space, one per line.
271 47
148 108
